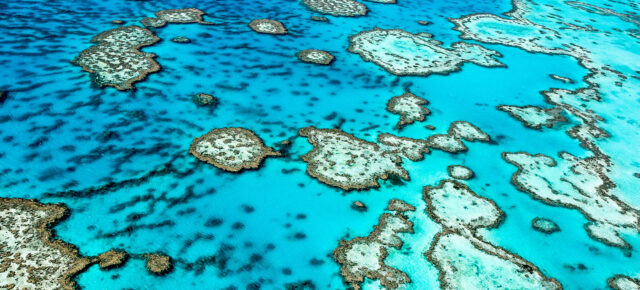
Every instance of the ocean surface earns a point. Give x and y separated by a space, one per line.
119 160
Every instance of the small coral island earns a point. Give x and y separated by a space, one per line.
187 15
268 26
410 107
316 56
231 149
116 59
337 7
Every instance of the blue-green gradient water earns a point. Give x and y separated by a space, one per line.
52 120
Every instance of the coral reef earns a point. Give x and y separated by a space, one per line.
410 107
459 172
112 259
458 131
403 53
158 263
584 184
231 149
363 257
268 26
620 282
337 7
187 15
181 39
412 149
464 260
342 160
316 56
359 206
576 183
29 256
544 225
116 59
204 100
534 117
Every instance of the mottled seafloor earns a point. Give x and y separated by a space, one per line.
279 225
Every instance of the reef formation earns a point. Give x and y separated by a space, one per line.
458 131
364 257
402 53
268 26
116 59
163 17
585 183
544 225
231 149
410 107
316 56
342 160
460 172
534 117
29 256
337 7
464 259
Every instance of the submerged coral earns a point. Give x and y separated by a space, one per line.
460 172
403 53
364 257
204 100
231 149
158 263
544 225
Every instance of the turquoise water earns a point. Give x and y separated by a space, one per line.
280 225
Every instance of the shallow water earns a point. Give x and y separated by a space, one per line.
53 118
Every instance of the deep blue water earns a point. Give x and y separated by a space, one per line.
53 116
